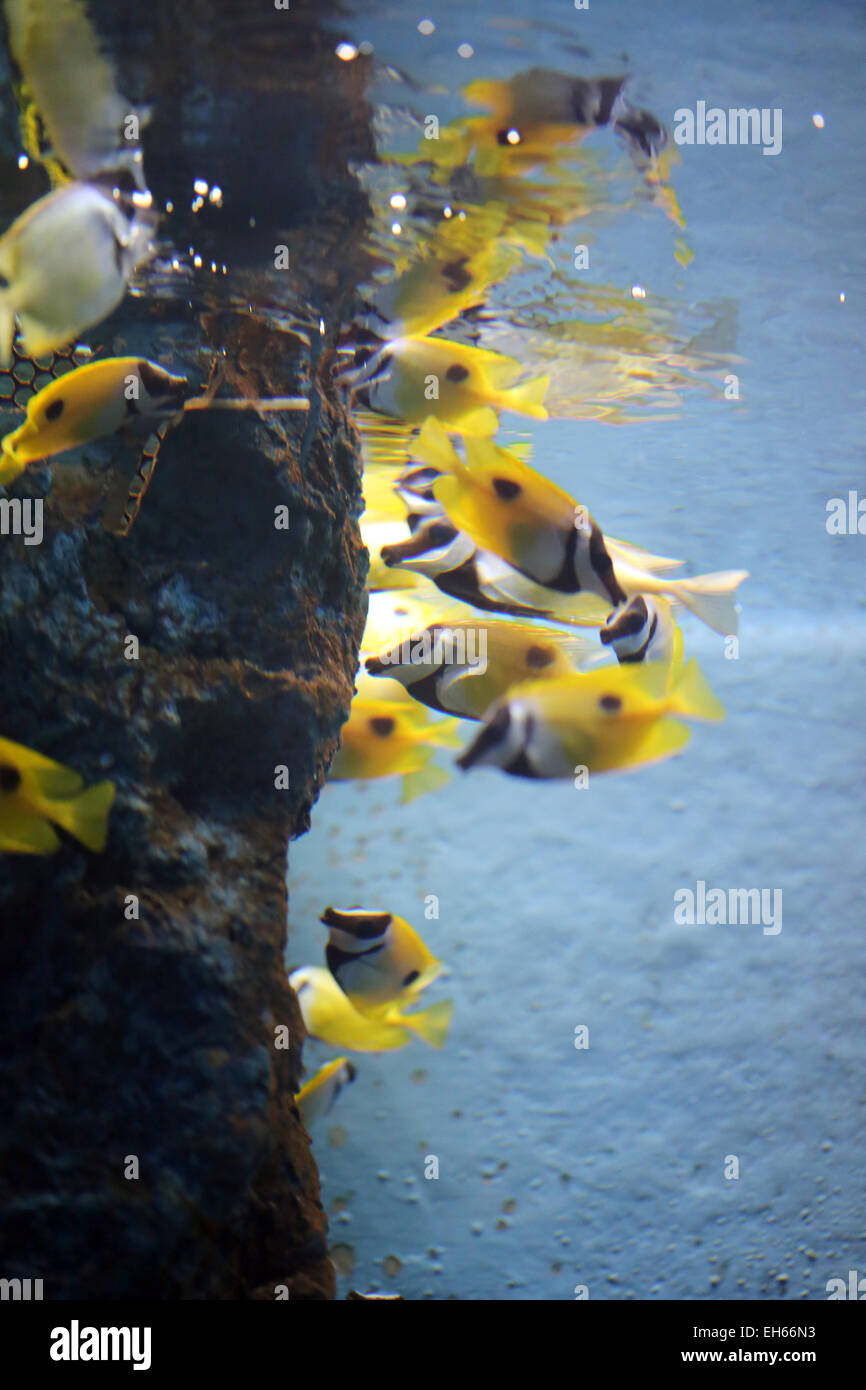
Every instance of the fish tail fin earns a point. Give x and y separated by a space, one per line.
86 816
426 779
528 397
711 597
692 696
10 468
431 1024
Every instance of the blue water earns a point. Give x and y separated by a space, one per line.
605 1167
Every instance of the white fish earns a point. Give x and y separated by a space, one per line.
64 265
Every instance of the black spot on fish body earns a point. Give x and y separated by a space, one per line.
4 283
382 725
539 657
10 778
55 409
610 703
411 978
506 489
456 373
456 276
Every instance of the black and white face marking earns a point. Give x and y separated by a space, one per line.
433 548
636 633
630 629
354 937
415 488
162 393
503 741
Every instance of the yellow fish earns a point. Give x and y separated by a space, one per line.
508 508
387 734
34 790
462 386
65 265
435 289
598 721
330 1015
461 667
376 958
88 123
88 403
318 1095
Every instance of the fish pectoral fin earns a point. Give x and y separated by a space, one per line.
663 740
483 420
22 832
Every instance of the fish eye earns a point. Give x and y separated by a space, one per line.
538 657
10 778
382 725
55 409
506 489
411 978
456 373
610 703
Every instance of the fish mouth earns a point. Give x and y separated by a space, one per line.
374 665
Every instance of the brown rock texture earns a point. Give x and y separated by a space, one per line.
153 1035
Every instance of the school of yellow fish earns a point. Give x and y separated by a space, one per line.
494 595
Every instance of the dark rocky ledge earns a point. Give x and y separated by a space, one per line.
154 1036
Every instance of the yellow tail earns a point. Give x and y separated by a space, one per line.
692 696
431 1024
10 468
86 816
528 398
